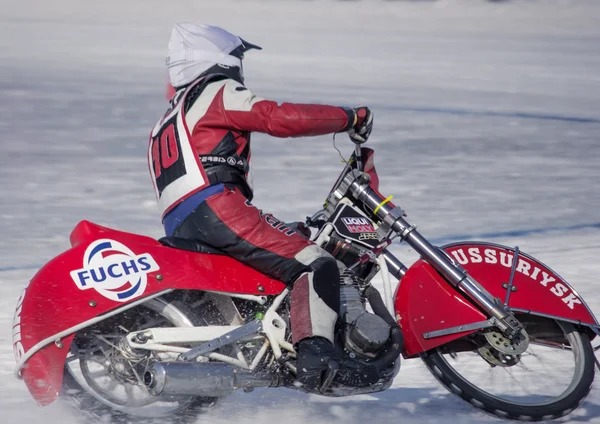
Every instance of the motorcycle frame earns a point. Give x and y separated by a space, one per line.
45 350
271 330
388 263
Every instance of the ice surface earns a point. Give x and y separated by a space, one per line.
487 122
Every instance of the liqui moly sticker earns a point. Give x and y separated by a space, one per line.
358 225
114 271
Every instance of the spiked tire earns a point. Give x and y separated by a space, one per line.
93 406
557 407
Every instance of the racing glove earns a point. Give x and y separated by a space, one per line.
361 129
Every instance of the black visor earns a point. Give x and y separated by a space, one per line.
243 48
249 46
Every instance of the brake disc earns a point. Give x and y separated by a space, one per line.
496 358
506 346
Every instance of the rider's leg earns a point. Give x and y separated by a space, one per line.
228 221
315 297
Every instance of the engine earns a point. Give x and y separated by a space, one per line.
363 333
350 234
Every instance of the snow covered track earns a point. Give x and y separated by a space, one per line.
487 123
467 112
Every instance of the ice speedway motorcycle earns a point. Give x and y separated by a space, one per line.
143 328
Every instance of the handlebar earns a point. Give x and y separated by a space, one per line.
358 154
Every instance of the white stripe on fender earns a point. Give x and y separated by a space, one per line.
56 337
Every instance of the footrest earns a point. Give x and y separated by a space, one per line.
330 373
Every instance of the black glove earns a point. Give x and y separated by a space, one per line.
363 125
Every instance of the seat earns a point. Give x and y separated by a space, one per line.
191 245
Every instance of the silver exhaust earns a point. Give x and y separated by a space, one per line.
201 379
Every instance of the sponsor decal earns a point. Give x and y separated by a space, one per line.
493 256
18 348
114 271
280 226
368 236
221 159
358 225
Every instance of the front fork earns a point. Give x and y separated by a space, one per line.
392 218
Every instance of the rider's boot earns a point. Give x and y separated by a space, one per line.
314 355
313 323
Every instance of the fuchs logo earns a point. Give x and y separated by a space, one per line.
358 225
114 271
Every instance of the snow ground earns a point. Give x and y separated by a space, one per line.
487 122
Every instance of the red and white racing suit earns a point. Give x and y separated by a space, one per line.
199 158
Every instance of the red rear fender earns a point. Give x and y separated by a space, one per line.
103 271
425 302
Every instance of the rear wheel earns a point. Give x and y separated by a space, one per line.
549 380
103 377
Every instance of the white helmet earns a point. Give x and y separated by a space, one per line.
195 49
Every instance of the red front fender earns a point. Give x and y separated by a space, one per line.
425 302
105 271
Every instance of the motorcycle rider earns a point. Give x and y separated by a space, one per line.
199 160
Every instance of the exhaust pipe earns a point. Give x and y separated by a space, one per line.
201 379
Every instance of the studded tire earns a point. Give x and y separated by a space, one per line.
90 407
560 406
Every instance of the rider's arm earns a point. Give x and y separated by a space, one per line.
245 111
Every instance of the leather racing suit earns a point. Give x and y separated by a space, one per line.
199 158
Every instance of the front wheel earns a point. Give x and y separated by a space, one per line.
549 380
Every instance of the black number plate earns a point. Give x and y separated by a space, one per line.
352 225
